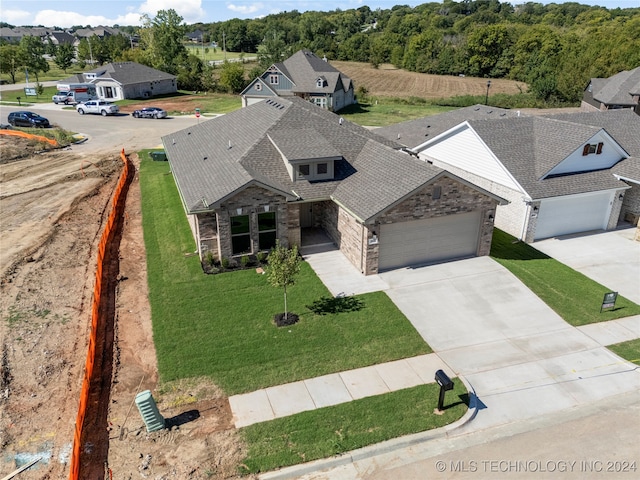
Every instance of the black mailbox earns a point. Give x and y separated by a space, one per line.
444 381
445 384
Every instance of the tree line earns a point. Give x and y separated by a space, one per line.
554 48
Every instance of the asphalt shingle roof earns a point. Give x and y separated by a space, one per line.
618 89
530 146
215 159
413 133
304 68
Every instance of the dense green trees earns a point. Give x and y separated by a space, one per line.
555 48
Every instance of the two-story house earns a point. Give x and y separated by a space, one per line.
303 75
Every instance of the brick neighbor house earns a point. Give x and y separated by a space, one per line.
281 168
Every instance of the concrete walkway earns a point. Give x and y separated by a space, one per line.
333 389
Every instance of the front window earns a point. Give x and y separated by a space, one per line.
274 79
240 235
108 92
267 230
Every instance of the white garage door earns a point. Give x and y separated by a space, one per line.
562 216
430 240
252 100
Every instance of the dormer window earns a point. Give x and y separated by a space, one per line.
591 148
303 170
319 83
258 87
274 79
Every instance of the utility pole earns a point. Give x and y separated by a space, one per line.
224 45
486 99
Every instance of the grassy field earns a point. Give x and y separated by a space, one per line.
573 296
220 326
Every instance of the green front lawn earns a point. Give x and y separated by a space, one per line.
573 296
628 350
341 428
383 112
220 326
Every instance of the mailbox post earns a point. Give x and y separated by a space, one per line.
445 383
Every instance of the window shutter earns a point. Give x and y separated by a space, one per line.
599 151
585 150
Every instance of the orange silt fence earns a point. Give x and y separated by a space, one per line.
119 198
30 136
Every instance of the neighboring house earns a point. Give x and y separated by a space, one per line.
619 91
99 31
281 168
124 80
196 36
306 76
60 38
561 174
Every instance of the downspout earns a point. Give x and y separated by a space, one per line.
527 217
362 250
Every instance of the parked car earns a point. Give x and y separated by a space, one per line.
27 119
101 107
150 112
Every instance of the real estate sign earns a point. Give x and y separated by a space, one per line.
609 300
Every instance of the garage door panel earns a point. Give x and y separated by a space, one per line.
428 240
564 216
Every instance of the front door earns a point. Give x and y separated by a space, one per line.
306 215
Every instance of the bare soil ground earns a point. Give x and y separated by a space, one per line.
388 81
53 206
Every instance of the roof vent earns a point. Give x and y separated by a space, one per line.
341 121
229 147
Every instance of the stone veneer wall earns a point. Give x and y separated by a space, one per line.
455 197
353 238
615 210
293 225
206 234
630 210
252 201
510 217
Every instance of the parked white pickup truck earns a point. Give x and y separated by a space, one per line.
101 107
71 98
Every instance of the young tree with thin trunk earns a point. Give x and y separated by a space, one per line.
283 266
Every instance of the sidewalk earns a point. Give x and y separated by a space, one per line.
333 389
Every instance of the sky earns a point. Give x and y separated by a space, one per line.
68 13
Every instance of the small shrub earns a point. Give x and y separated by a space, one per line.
225 262
244 261
260 257
210 258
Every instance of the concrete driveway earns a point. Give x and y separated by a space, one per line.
521 358
610 258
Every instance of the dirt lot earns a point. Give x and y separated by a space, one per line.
47 274
388 81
